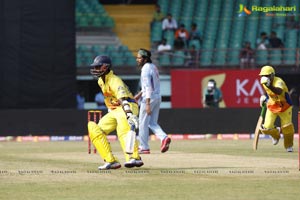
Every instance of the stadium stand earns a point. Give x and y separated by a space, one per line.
95 35
223 29
91 14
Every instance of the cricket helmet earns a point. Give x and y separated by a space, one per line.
101 60
266 70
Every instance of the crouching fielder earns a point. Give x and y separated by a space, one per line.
278 105
123 111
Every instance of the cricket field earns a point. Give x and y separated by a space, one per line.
191 169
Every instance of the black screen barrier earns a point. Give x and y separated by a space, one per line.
173 121
37 54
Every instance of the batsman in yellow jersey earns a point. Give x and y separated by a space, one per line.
122 115
279 104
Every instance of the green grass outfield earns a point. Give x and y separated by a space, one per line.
192 169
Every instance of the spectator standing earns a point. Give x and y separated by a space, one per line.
247 56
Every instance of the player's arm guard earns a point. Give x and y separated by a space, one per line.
132 119
126 108
262 100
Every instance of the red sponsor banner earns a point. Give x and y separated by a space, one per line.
240 88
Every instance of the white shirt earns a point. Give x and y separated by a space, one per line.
166 24
150 82
165 47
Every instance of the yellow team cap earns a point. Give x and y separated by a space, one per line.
266 70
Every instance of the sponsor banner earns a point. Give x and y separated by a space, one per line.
243 136
109 137
42 138
25 139
29 138
7 138
226 136
66 138
176 136
263 136
112 137
234 136
196 137
240 88
75 138
57 138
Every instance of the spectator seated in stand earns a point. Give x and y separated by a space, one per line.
181 37
195 34
262 42
169 23
193 55
158 16
164 46
274 41
247 56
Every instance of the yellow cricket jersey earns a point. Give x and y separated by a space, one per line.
278 103
113 89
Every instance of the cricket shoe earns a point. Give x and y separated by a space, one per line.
275 141
134 163
144 151
165 145
289 149
112 165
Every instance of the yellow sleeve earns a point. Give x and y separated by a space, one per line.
120 89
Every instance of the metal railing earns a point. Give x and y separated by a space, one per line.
227 58
288 58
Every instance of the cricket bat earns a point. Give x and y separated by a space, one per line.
258 126
130 140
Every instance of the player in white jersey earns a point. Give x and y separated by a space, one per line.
150 99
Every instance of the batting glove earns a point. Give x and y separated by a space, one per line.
265 80
262 100
133 120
